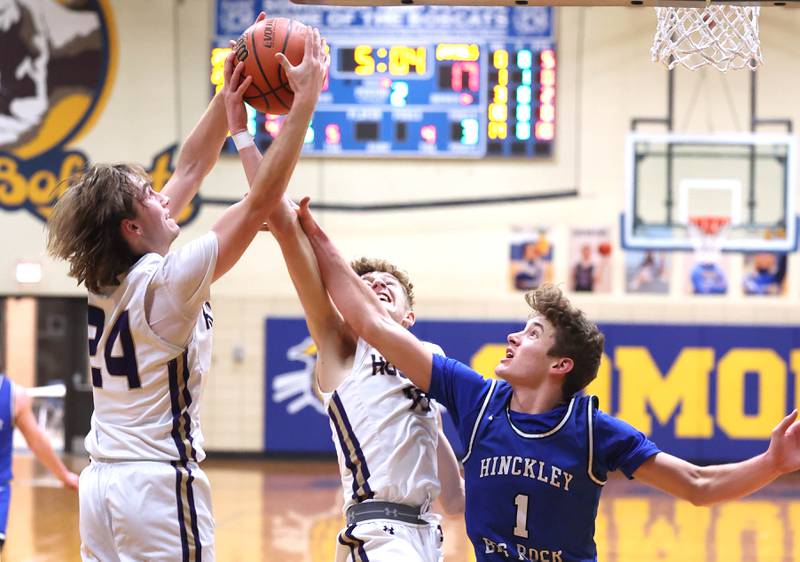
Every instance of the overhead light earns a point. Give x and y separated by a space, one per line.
29 272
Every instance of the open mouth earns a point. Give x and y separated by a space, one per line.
384 297
509 353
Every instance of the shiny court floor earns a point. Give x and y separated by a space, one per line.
290 511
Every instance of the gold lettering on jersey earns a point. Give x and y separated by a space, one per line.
532 468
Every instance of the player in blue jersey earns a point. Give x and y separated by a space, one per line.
15 411
538 451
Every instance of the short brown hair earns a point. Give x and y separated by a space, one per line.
368 265
84 227
576 336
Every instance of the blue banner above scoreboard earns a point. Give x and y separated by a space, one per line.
706 393
419 81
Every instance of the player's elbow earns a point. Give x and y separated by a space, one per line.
699 490
376 329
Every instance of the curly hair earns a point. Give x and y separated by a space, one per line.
84 227
368 265
576 336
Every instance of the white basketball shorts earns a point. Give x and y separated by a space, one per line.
141 510
386 540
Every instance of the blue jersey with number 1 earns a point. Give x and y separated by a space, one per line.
533 482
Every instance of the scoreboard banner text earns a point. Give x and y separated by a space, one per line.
705 393
418 81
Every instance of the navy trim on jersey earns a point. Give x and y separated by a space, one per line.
187 399
590 420
180 399
540 435
190 546
478 420
356 545
354 456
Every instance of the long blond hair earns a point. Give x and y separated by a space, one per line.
84 227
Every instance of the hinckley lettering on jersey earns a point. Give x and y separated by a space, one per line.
526 467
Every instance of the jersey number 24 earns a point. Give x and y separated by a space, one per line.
119 366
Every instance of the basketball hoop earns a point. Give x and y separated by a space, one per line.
723 36
708 233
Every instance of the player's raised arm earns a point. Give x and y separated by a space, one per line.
362 310
199 153
706 485
38 441
240 223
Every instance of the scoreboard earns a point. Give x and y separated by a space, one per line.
418 81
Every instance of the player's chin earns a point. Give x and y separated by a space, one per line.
501 371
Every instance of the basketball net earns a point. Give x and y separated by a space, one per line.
723 36
708 235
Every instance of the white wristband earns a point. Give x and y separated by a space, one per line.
242 139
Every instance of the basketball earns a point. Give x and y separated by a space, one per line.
604 248
256 47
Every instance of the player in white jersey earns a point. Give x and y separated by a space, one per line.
144 497
392 452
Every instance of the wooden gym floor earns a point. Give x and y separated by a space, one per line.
290 511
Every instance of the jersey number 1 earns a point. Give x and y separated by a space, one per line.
521 528
123 366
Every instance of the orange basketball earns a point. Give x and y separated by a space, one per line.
270 91
604 248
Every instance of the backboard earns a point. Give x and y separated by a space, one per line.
747 177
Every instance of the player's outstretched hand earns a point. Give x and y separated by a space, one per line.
307 220
784 445
234 87
307 78
70 480
233 93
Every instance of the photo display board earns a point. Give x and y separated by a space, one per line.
418 81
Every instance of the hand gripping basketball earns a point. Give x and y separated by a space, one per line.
307 78
265 48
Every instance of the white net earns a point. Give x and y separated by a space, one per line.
722 36
708 234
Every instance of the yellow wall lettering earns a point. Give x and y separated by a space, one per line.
759 518
601 386
12 184
686 385
771 371
794 528
487 357
42 187
794 358
647 533
601 537
160 172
